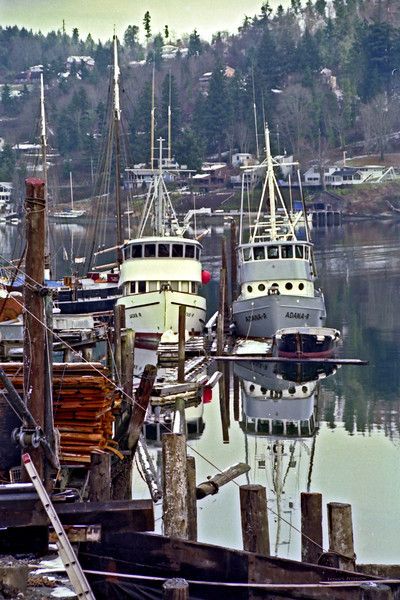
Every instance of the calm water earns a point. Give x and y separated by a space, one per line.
354 455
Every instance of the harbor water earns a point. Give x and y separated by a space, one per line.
351 451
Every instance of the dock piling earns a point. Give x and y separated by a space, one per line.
191 498
371 590
254 517
176 589
175 485
311 527
181 343
100 477
340 528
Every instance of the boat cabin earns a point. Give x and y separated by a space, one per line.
278 267
154 264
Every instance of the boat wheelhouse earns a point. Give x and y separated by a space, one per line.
157 276
276 269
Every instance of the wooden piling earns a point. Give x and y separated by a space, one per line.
233 244
340 529
176 589
34 317
254 517
175 485
129 434
191 498
128 361
311 527
212 485
181 343
119 325
236 398
100 477
223 411
221 314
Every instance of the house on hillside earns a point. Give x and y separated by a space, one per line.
204 80
242 159
348 175
88 61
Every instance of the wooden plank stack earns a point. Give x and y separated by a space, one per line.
85 401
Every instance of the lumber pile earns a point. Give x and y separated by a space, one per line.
85 401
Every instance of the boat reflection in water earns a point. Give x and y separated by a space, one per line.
280 423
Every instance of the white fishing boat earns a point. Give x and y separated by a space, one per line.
276 269
161 269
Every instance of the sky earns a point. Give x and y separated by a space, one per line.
98 17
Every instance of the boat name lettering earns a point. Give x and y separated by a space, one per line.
135 315
257 317
296 315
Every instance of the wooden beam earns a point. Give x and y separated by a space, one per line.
212 485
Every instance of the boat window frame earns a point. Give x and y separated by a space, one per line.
269 248
284 249
190 247
152 245
259 252
177 245
138 246
250 254
166 245
299 247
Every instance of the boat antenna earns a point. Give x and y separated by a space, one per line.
169 122
255 113
43 144
117 123
152 120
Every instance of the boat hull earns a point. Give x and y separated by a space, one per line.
319 342
262 316
153 313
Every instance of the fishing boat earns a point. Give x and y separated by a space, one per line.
306 342
276 269
161 269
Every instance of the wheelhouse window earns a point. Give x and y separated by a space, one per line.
185 286
247 254
287 251
198 253
189 251
177 250
133 287
141 287
163 250
273 252
136 251
299 251
259 253
149 250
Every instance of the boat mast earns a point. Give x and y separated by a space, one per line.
159 207
117 120
169 123
271 187
152 121
43 144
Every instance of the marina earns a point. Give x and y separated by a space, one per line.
199 343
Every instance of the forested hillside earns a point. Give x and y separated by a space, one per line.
325 74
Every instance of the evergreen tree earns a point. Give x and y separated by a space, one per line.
7 163
131 36
188 150
169 97
147 25
195 47
75 36
219 111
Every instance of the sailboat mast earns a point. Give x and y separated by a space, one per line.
152 122
117 120
271 188
169 123
255 115
71 191
43 144
160 197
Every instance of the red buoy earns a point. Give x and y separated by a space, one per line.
207 395
205 277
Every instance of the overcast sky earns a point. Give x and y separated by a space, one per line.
99 16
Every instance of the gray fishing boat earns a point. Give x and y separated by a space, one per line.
276 269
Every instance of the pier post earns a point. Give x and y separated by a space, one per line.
340 528
175 486
128 360
311 527
191 498
236 398
34 314
100 477
119 325
176 589
254 517
181 343
233 242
